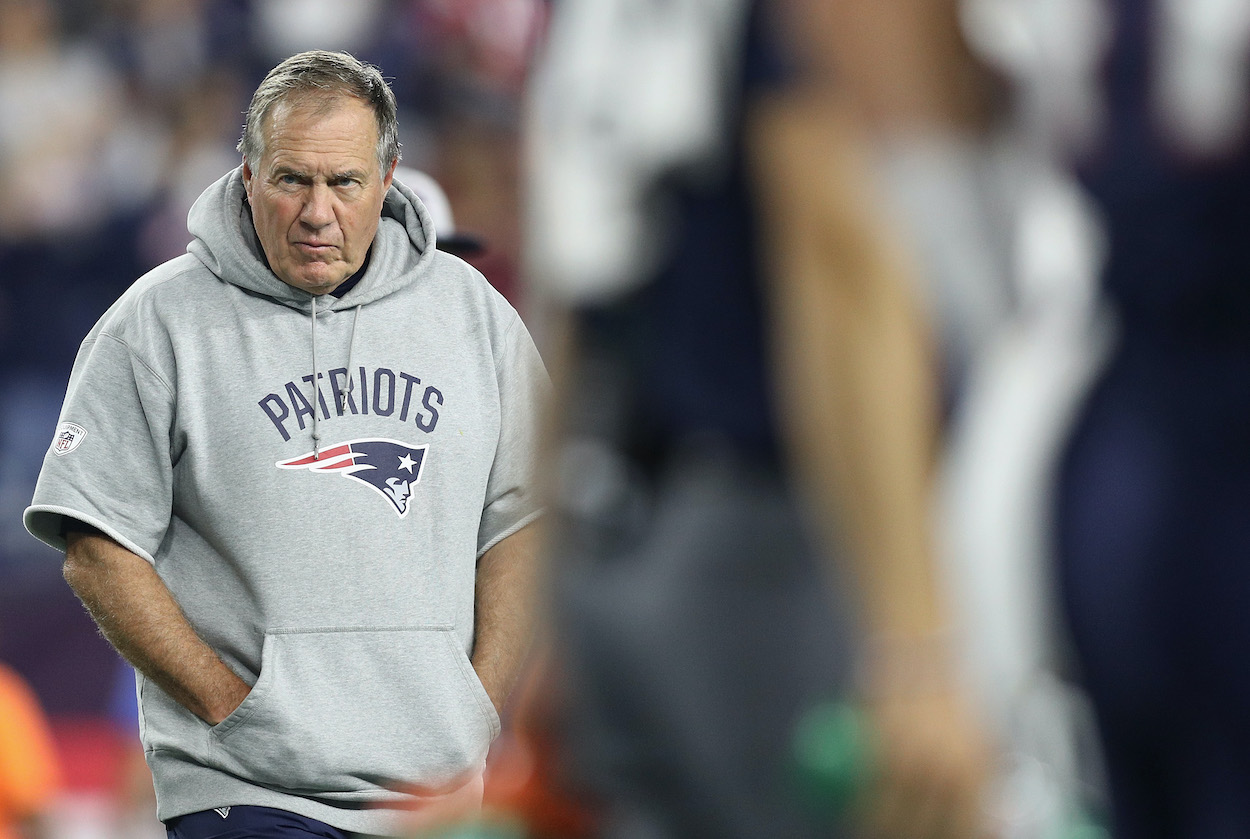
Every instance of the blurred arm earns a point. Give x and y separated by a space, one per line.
138 615
853 357
859 407
853 351
857 378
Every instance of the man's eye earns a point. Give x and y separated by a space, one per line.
288 180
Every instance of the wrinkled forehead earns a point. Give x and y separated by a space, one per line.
307 107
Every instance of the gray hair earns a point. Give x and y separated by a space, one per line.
321 72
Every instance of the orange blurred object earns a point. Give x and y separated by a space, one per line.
523 778
29 771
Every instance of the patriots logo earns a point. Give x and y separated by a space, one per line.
388 467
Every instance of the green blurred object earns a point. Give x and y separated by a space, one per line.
482 829
833 758
1084 827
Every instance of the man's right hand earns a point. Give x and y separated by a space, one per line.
137 614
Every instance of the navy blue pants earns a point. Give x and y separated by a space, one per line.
249 823
1154 563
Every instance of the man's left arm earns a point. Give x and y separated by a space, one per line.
504 605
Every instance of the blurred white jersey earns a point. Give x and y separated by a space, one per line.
610 114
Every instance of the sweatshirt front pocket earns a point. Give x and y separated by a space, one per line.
342 711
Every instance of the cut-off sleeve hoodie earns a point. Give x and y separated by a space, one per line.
314 479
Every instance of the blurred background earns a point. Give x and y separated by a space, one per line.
114 116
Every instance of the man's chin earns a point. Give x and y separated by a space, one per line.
317 282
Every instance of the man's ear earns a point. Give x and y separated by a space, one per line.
390 175
247 177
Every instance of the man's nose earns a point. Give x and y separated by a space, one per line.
318 206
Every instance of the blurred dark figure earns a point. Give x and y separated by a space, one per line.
1154 503
748 394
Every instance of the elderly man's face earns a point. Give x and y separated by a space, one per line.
317 194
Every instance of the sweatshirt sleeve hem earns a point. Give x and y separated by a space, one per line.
43 521
521 523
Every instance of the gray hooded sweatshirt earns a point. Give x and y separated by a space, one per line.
334 574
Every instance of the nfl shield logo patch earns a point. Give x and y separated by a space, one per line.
68 436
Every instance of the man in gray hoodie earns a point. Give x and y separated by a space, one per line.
314 654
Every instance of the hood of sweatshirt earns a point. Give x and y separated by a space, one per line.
226 242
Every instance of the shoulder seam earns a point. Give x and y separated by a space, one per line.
130 351
508 340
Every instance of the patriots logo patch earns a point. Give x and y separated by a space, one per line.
388 467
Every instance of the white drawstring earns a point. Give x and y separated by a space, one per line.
316 392
351 345
316 384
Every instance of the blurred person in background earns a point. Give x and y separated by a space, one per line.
434 199
475 55
58 97
29 768
1153 506
306 646
1008 249
748 412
